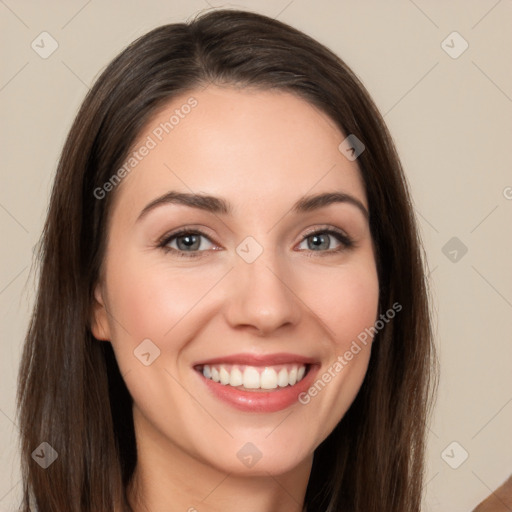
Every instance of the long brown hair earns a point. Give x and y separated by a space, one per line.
71 394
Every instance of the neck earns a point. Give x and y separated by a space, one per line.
167 479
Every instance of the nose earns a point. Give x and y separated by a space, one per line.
262 299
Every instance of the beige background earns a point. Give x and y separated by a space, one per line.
451 119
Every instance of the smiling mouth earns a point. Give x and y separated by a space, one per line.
254 378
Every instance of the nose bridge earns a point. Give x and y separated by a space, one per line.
261 296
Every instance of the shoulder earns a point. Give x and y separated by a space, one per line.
499 501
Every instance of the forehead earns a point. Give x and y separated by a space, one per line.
250 146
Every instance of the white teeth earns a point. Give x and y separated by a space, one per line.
292 376
282 378
255 377
224 375
251 378
268 378
236 378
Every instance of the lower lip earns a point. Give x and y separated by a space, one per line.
261 401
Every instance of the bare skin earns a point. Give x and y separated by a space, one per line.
499 501
261 152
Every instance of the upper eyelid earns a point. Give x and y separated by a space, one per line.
195 233
321 229
168 237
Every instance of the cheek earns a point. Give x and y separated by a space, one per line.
346 300
347 303
151 301
355 308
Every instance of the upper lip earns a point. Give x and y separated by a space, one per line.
258 359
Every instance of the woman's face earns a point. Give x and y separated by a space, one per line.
266 288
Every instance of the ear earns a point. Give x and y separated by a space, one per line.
99 322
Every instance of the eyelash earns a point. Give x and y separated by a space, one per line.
345 241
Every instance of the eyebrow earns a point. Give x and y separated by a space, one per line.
218 205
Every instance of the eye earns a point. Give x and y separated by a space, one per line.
326 240
187 241
192 243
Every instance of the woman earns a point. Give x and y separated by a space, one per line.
232 311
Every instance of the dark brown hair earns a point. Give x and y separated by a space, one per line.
71 393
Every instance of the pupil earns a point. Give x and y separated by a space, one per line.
188 242
319 242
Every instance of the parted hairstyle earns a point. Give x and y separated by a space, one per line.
70 391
